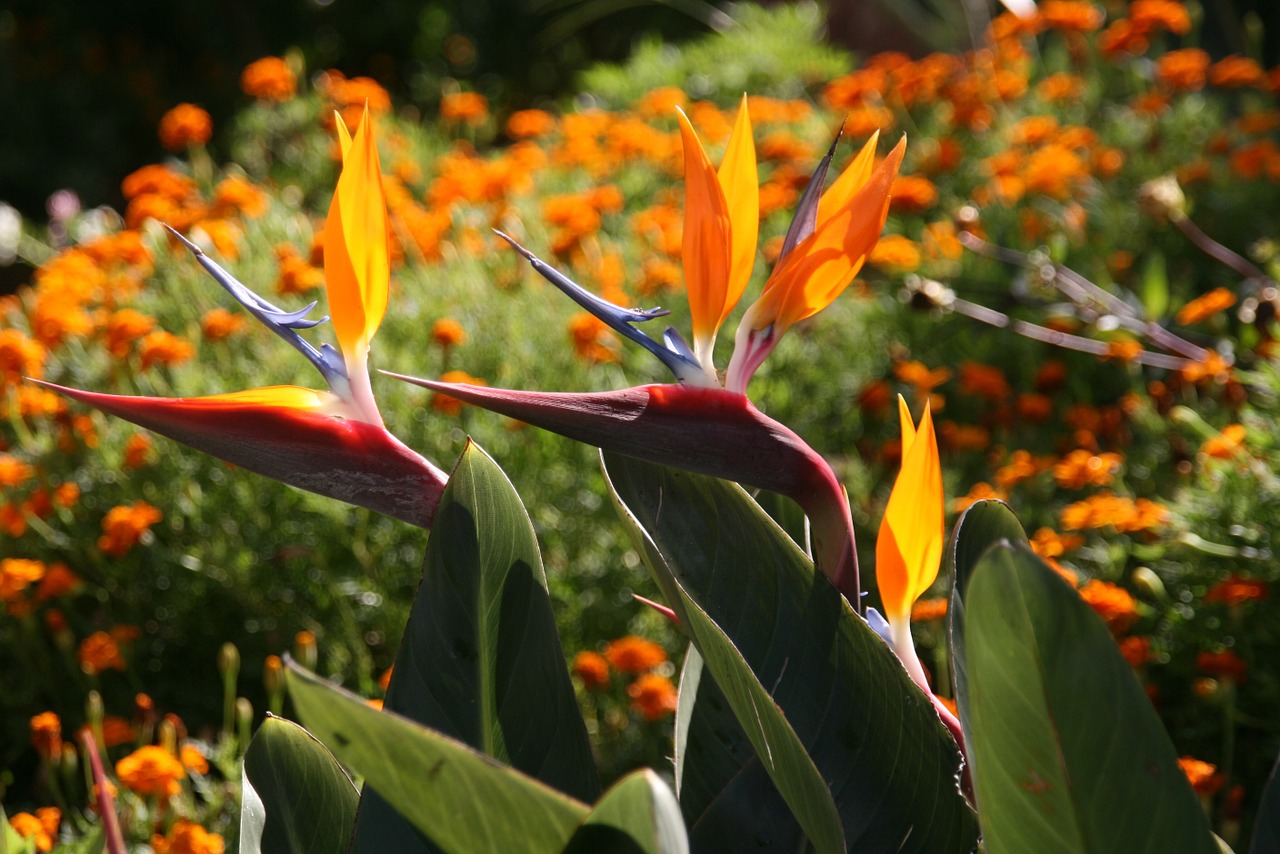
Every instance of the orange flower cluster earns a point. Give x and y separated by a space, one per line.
530 124
187 837
124 525
1226 444
1205 306
1112 603
1082 468
576 216
101 650
1235 590
1107 509
46 735
1203 776
593 669
350 96
593 340
296 275
926 610
41 827
632 655
218 323
269 79
184 126
653 696
1223 664
447 332
151 771
469 107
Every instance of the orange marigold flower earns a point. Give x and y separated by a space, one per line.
237 196
46 735
920 377
1123 36
895 252
592 338
1054 170
187 837
633 654
1235 71
1036 408
1021 466
1136 650
67 494
1236 590
42 827
1212 368
1082 468
1112 603
1124 350
123 328
194 759
1154 15
164 349
469 107
1205 305
218 323
593 669
1226 444
1202 776
978 492
662 101
17 574
184 126
296 275
925 610
1060 87
1224 664
1049 544
912 193
58 581
124 525
20 357
1183 70
1070 15
985 381
447 332
137 451
14 472
530 124
151 770
98 652
269 79
653 696
451 405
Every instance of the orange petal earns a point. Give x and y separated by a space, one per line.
356 260
740 180
909 547
706 243
824 263
851 180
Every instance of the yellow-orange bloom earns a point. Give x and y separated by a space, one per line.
17 574
593 669
1203 776
183 126
1205 306
124 525
528 124
99 652
447 332
187 837
218 323
1226 444
1112 603
909 545
1184 70
193 759
653 696
269 79
42 827
633 654
46 735
151 770
469 107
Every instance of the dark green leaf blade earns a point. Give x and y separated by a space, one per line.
1266 832
296 796
1067 753
835 692
638 815
980 526
481 659
457 797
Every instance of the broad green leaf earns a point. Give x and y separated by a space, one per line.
724 791
296 796
980 526
1266 832
787 514
638 815
838 705
481 659
457 797
1067 753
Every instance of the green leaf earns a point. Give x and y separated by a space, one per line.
724 791
839 706
980 526
639 815
1067 753
481 659
787 514
457 797
1266 833
296 796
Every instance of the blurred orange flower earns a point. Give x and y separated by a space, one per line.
925 610
218 323
1236 590
1203 776
98 652
447 332
184 126
1226 444
1112 603
164 349
529 124
151 770
124 525
46 735
469 107
1183 70
42 827
593 669
269 79
1224 664
653 696
633 654
187 837
443 403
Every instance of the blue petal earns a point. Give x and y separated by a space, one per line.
879 625
679 362
283 323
